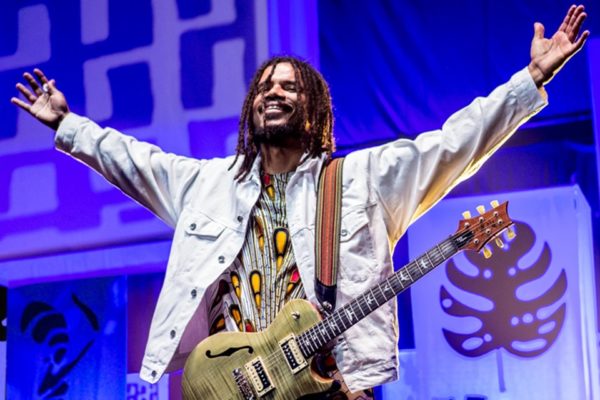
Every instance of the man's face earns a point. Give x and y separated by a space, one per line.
277 108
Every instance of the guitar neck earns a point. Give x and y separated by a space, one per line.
349 314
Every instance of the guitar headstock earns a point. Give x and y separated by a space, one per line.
475 232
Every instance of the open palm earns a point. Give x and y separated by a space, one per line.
46 103
549 55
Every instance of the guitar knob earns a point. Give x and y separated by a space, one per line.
295 315
480 209
466 214
494 203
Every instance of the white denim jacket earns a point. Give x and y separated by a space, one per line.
384 190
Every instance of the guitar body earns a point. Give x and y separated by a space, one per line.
228 365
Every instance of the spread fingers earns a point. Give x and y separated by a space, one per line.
26 93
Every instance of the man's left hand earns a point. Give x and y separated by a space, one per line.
549 55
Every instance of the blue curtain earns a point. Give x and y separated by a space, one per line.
397 68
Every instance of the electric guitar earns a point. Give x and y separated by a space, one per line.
276 363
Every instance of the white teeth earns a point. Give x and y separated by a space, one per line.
273 108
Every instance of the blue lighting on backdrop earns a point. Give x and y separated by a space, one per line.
175 73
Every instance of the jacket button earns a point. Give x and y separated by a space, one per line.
344 232
240 218
221 259
154 373
192 226
193 293
172 334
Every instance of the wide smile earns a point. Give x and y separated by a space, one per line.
275 109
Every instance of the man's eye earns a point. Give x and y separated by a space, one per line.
290 88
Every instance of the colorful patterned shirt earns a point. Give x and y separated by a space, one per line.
250 293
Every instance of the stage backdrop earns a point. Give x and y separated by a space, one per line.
519 325
169 72
594 64
67 340
400 67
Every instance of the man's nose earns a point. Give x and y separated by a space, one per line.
274 91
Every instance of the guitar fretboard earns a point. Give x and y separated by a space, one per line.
348 315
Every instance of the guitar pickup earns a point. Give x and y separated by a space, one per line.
259 377
292 354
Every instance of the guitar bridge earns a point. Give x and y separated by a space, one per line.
293 355
243 385
259 377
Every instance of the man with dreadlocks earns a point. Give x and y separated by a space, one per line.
245 226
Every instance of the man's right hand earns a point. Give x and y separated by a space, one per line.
46 103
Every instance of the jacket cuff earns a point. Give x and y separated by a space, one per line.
68 128
528 93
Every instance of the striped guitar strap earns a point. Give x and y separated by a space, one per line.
327 238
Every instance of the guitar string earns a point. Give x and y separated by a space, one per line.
278 356
412 267
338 318
449 249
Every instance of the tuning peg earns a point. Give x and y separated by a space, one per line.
466 214
480 209
487 253
494 203
499 242
510 233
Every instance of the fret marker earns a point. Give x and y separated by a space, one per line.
350 314
403 275
370 298
333 324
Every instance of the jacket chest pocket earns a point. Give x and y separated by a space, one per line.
203 228
202 244
357 255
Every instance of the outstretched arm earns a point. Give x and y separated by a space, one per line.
46 103
549 55
153 178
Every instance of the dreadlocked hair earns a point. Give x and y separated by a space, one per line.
317 113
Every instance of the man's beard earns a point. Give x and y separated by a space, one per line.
284 135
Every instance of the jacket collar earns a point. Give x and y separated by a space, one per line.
308 164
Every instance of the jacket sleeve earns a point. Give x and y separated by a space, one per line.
407 177
155 179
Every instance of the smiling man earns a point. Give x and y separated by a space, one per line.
287 112
244 240
278 107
